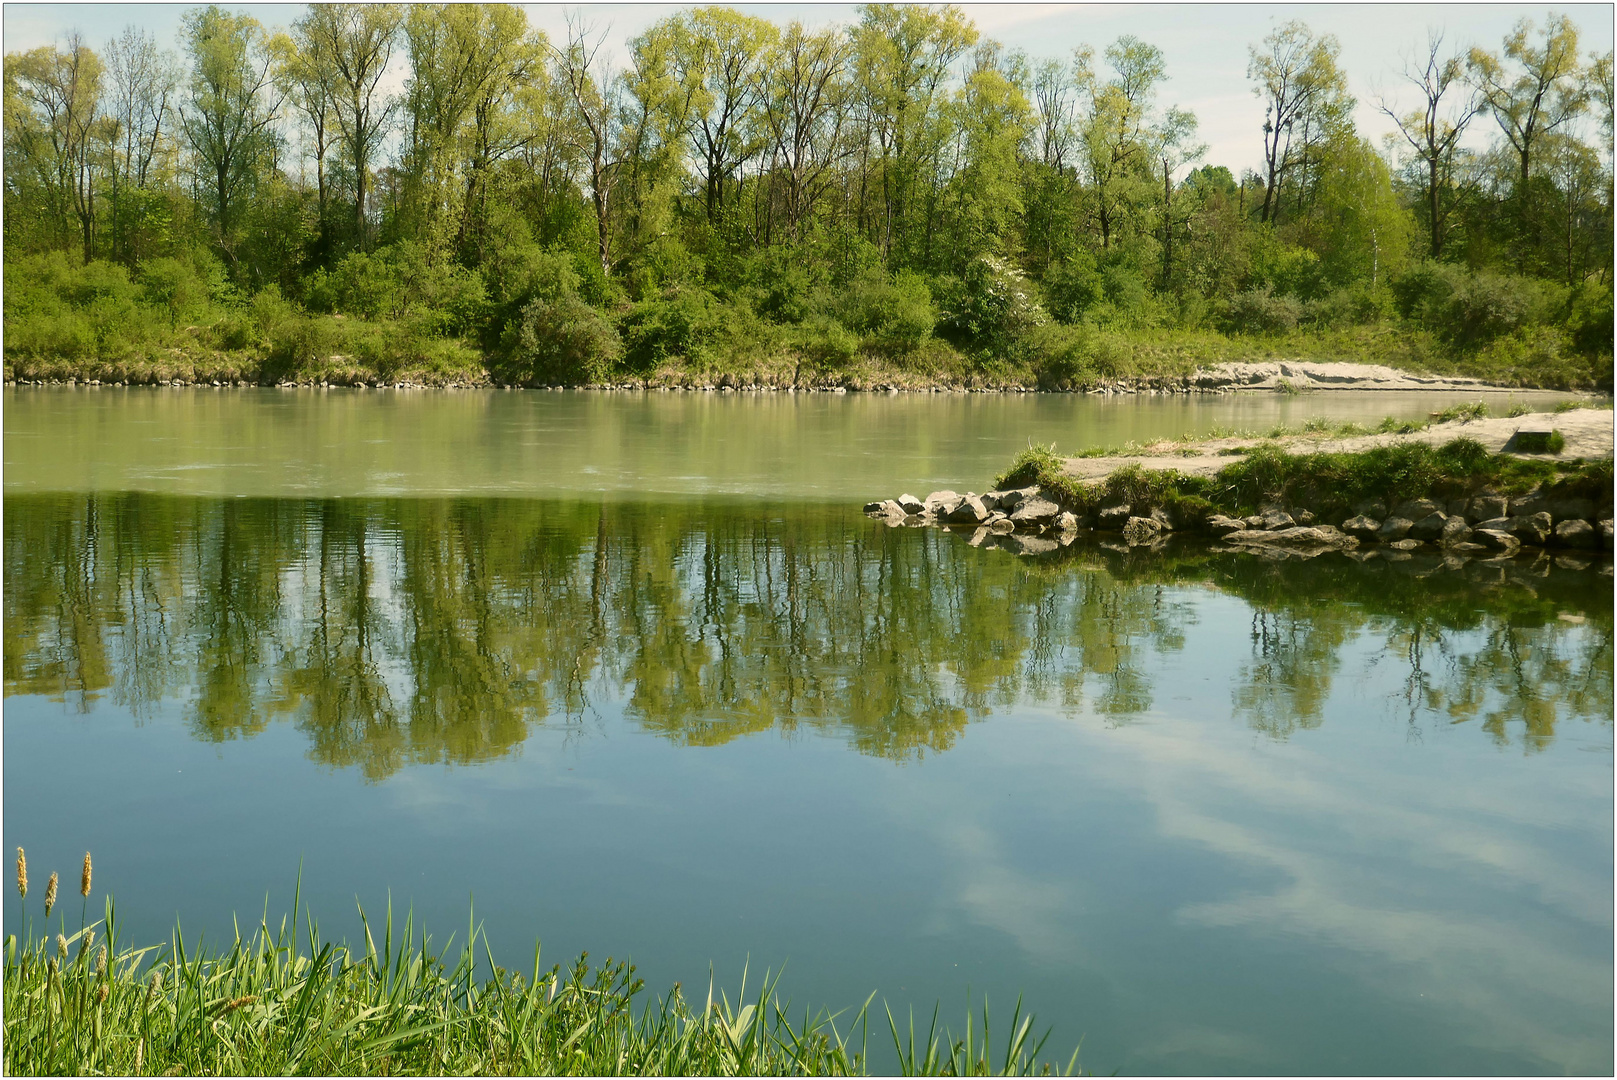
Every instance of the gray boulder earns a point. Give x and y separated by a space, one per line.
1067 522
1429 527
1276 519
1455 531
1310 537
943 503
1009 500
1532 528
1394 528
1371 508
1604 530
1362 526
1528 505
1304 517
911 504
1498 524
971 511
875 508
1496 540
1416 509
1575 533
1405 544
1220 525
1002 526
1035 511
1113 518
1488 507
1140 530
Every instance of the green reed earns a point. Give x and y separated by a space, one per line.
277 1001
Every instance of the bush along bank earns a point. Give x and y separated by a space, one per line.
1456 498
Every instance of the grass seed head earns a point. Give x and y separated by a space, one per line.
50 894
22 874
84 878
101 994
101 962
61 946
140 1055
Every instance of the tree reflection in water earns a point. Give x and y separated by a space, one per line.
402 631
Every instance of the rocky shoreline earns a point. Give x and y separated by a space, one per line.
1482 496
1033 521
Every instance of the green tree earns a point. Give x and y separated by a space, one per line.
353 42
54 105
1535 89
229 118
1434 128
1305 101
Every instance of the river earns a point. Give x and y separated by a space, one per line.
631 673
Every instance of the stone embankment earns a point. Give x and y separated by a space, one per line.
1031 520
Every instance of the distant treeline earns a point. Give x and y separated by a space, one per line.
899 191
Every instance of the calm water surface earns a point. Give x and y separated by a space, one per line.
1205 812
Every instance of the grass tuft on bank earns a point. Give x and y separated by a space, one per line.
276 1001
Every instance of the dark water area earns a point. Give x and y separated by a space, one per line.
1204 811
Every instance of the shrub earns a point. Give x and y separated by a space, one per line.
563 341
682 323
1259 311
300 344
993 307
895 316
828 343
1060 357
1472 309
1073 286
172 286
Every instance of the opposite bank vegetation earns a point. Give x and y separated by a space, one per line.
894 199
284 999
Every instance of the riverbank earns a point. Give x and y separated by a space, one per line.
87 1004
1287 377
1162 362
1469 487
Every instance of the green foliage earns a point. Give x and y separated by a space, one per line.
893 315
562 341
993 307
1073 285
1260 311
1470 309
683 324
399 281
874 179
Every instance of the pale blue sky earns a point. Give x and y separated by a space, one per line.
1205 45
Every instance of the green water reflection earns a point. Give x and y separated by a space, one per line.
395 632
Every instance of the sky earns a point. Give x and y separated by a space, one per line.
1204 45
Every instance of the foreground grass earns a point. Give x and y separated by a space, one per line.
277 1002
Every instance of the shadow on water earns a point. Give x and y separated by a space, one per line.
400 631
